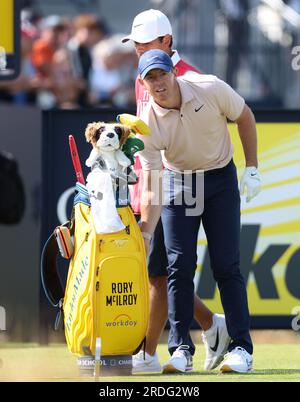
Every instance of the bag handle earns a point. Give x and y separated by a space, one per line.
51 282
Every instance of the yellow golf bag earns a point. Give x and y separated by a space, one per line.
106 297
106 294
107 288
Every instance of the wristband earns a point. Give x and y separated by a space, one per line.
147 236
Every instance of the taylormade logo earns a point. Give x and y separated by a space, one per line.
2 319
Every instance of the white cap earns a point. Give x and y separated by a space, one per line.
148 26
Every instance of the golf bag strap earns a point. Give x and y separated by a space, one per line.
49 273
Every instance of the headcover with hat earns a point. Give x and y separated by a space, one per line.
154 59
148 26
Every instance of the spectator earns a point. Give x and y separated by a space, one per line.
54 34
113 73
31 17
89 31
236 13
45 47
12 200
66 88
23 89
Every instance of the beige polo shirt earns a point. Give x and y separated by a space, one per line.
197 136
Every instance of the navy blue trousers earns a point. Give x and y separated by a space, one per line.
221 222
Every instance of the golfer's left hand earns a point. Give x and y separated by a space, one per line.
250 181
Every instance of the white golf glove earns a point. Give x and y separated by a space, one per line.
251 180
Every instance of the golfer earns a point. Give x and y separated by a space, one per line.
151 29
188 121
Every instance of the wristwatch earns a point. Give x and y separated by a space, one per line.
147 236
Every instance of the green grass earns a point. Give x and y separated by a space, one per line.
273 363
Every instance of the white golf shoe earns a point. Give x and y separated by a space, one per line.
216 341
181 361
237 361
145 364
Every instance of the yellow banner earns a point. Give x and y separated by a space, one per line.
270 246
7 25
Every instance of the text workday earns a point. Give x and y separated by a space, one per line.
296 59
2 319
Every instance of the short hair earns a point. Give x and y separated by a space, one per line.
91 22
161 38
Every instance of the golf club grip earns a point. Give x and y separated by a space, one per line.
76 160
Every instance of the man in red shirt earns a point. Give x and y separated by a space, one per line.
151 29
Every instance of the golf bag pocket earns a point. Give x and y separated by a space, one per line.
64 241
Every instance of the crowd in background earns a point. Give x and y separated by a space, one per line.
79 62
70 63
247 43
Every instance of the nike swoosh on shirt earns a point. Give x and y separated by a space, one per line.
198 110
215 348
